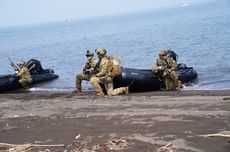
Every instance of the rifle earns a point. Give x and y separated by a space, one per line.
95 69
93 72
15 66
86 68
169 74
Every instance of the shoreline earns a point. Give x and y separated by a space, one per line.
145 120
21 93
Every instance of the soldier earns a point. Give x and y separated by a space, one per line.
88 68
104 76
166 68
24 74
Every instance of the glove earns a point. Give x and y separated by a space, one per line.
161 68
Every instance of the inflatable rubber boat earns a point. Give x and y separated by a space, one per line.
141 80
38 74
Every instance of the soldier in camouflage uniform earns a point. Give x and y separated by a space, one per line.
85 74
104 76
24 74
166 68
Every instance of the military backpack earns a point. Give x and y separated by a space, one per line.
115 65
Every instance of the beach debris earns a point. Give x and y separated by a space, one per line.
167 148
106 146
215 135
23 147
13 116
8 127
77 136
79 146
46 150
114 144
227 98
42 142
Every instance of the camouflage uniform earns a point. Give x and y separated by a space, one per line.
24 74
104 76
85 75
166 68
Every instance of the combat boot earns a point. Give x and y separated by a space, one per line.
79 92
100 94
179 85
126 91
25 86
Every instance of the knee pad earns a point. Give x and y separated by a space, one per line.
93 79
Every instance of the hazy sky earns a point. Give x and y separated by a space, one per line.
20 12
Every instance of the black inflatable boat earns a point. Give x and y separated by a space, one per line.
144 80
10 81
141 80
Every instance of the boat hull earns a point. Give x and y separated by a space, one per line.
141 80
10 82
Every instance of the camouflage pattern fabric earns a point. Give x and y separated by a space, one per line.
104 76
25 77
95 81
166 69
85 75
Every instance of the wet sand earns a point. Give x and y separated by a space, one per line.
145 120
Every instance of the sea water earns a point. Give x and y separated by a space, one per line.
199 34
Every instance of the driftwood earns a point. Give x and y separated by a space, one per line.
167 148
81 147
23 147
106 146
215 135
32 145
114 144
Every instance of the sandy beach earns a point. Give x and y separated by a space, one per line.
145 121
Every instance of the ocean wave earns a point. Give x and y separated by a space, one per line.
212 85
39 89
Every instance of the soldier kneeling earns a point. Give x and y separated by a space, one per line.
87 70
104 76
166 68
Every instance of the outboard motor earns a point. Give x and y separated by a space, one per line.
34 66
173 55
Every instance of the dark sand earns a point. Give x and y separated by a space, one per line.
145 120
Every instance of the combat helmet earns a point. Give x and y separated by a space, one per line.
21 63
89 53
100 51
163 52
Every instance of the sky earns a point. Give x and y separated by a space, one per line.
23 12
